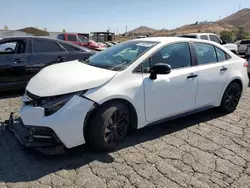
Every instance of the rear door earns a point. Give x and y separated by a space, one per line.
46 52
13 63
213 68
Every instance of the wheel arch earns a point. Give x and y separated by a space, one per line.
134 115
237 80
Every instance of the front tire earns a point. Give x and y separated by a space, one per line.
108 126
231 97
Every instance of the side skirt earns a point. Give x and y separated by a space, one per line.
180 115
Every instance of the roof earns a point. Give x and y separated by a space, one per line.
30 37
34 31
174 39
24 37
197 34
45 37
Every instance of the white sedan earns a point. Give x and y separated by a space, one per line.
130 85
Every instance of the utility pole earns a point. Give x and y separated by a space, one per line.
126 28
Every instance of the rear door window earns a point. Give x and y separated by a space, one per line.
41 46
215 39
204 37
205 53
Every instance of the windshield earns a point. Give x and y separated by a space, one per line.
121 55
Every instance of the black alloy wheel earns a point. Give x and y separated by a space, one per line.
108 126
231 97
116 127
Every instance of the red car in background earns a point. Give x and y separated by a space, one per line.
81 40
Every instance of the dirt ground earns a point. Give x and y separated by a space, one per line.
208 149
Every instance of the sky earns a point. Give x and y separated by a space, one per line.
100 15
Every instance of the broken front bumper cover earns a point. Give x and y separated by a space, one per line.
42 139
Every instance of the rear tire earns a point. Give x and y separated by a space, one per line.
108 126
231 97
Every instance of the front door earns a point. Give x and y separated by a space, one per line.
213 71
174 93
13 63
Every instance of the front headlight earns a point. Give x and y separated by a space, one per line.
52 106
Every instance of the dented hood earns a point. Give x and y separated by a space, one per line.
68 77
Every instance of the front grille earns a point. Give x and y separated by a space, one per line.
36 101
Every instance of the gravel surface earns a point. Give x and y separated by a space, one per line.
203 150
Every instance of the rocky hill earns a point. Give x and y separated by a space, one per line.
142 30
238 19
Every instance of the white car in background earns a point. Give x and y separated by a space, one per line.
213 37
130 85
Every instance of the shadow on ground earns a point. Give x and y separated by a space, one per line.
17 164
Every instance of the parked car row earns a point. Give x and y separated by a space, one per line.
81 40
22 57
130 85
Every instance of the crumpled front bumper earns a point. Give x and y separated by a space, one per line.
63 128
42 139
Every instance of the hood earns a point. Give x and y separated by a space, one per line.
231 46
68 77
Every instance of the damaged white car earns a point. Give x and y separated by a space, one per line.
130 85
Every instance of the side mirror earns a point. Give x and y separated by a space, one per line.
159 68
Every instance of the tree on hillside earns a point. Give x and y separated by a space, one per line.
242 34
234 35
227 36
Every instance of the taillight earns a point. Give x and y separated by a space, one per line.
245 64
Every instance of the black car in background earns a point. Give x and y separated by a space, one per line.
23 57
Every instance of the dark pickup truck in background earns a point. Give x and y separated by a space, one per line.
26 56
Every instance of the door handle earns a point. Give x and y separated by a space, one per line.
192 75
60 58
16 61
223 68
